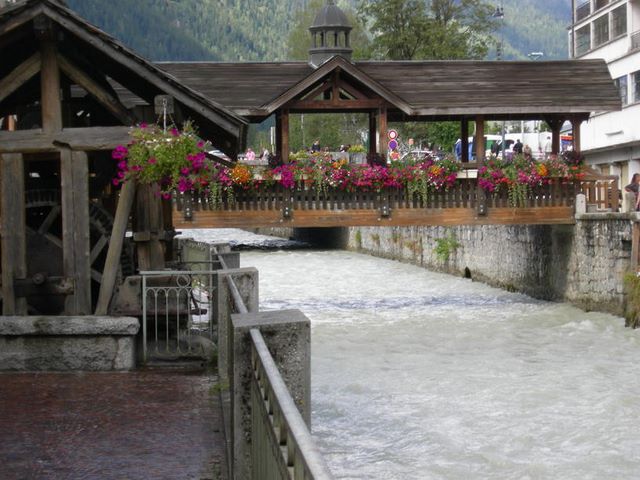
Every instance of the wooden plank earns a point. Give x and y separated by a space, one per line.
14 253
106 99
284 122
76 241
20 75
93 138
112 263
464 139
50 98
400 217
148 225
382 132
83 139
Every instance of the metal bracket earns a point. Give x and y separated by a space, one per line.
287 212
385 211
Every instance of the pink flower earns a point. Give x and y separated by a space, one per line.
120 152
174 131
185 171
115 182
166 196
152 161
200 144
143 125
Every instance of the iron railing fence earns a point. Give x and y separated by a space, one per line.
281 444
176 306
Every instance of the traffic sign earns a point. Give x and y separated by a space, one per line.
393 144
392 134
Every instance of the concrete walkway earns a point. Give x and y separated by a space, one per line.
142 425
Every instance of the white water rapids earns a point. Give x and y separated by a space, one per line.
417 375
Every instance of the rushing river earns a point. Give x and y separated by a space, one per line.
418 375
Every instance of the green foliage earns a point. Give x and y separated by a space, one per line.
268 30
437 30
445 247
332 129
357 149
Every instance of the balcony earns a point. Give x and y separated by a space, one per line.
583 10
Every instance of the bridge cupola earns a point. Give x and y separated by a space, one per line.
329 35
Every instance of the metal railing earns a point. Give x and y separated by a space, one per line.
282 446
176 306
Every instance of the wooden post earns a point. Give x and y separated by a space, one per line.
464 141
50 88
112 262
285 135
76 241
479 139
14 238
575 127
372 133
147 228
279 135
556 125
382 132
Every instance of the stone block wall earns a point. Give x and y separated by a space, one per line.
582 264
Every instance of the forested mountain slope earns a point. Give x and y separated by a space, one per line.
244 30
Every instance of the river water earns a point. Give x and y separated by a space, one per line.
418 375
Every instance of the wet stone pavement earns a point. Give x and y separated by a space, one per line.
139 425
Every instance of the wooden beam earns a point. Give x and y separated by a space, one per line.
25 141
224 119
106 99
76 242
148 226
20 75
284 120
464 141
93 138
14 232
372 132
576 122
112 263
85 139
50 99
361 104
382 132
355 218
479 139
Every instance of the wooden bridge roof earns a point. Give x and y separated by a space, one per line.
104 59
453 89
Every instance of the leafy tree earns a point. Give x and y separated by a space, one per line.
437 30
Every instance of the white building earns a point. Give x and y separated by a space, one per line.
610 29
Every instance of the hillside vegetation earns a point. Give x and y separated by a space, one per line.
258 30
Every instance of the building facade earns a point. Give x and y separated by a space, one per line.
610 29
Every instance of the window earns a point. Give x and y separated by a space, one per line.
601 30
583 40
601 3
636 86
621 85
583 10
619 21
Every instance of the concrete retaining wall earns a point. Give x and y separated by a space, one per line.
67 343
582 264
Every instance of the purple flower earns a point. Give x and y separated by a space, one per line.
119 153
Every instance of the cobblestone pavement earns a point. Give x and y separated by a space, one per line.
110 426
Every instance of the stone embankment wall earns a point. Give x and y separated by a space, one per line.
583 264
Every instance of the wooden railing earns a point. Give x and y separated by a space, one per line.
603 192
464 194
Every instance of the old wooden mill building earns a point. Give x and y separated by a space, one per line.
69 93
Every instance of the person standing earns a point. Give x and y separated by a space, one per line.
634 188
315 147
547 148
250 155
517 148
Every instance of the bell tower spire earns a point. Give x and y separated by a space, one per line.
329 35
